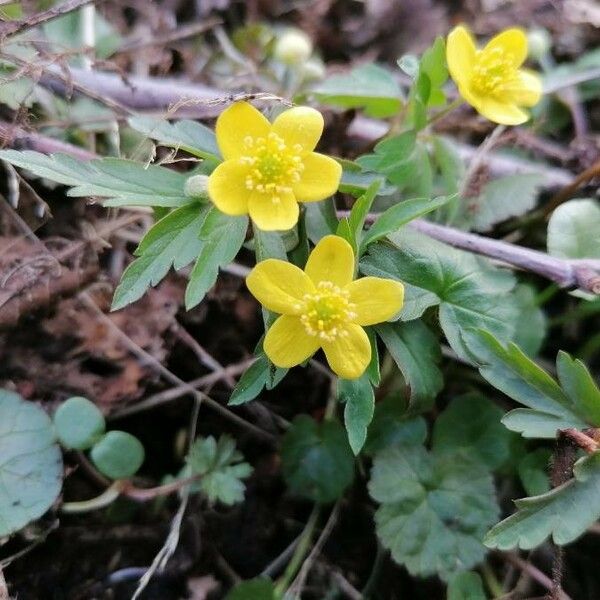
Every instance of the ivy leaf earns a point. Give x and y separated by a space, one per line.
416 351
466 586
369 87
222 237
573 230
508 369
470 425
563 513
470 292
31 466
221 469
191 136
434 509
123 182
316 459
359 400
172 241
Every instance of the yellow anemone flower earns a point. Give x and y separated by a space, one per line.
491 79
270 167
322 307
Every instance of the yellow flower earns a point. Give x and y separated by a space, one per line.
491 79
269 168
322 307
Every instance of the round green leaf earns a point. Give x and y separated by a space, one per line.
79 423
573 229
317 460
30 463
118 455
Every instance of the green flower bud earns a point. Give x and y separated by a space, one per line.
196 186
539 42
293 47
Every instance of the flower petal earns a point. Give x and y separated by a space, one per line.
331 260
273 212
513 43
349 355
320 178
525 90
227 188
460 53
503 113
299 125
376 299
279 286
236 123
287 344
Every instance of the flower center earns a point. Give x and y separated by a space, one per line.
493 68
326 312
274 166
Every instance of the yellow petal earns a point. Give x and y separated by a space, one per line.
236 123
525 90
376 299
273 212
331 260
460 53
299 125
349 355
501 112
513 43
279 286
227 188
287 344
320 178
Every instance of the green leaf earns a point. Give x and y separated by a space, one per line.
563 513
470 425
255 589
392 425
79 423
533 471
359 400
471 293
358 214
316 459
492 207
251 383
449 162
222 237
466 586
118 455
320 219
31 467
434 509
579 386
191 136
433 64
356 182
368 86
573 230
400 214
508 369
416 351
531 326
123 182
221 469
172 241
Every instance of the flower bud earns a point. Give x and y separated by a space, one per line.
313 69
196 186
539 42
293 47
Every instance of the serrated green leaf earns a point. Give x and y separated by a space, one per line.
563 513
508 369
471 293
222 237
316 459
79 423
31 467
191 136
574 230
470 425
416 351
434 509
172 241
369 87
359 400
579 386
466 586
123 182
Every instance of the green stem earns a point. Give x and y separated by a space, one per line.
491 581
107 497
299 553
440 115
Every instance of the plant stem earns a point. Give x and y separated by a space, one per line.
440 115
299 553
491 581
107 497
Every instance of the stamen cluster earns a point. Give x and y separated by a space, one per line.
493 68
